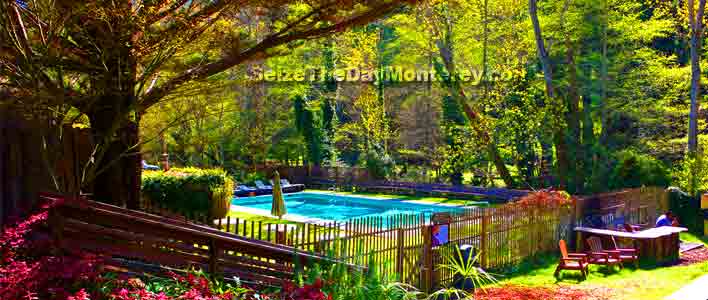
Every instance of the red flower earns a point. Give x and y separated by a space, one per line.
80 295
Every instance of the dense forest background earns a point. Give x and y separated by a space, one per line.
612 111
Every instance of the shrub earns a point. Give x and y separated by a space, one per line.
635 170
691 175
28 269
545 198
336 281
378 164
189 191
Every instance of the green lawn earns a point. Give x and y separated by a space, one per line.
630 284
253 217
430 199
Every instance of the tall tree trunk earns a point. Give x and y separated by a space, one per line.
696 20
559 132
475 119
117 173
573 121
604 77
541 49
572 116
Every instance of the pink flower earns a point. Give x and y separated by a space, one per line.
80 295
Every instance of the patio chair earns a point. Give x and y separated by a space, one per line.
571 261
627 254
287 188
296 186
600 256
261 186
242 190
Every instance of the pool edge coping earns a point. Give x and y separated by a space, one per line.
304 219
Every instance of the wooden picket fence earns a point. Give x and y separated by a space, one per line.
401 245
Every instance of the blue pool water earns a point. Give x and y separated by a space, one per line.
340 208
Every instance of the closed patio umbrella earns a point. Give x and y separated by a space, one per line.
278 208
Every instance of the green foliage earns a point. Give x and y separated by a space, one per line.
687 208
453 119
344 283
629 77
251 177
189 191
635 170
310 126
467 272
691 174
380 165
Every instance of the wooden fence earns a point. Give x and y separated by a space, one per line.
639 206
399 245
402 244
138 241
24 163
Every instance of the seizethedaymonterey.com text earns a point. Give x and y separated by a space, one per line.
385 74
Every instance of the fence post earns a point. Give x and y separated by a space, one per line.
483 239
573 222
399 255
704 208
427 282
213 258
56 224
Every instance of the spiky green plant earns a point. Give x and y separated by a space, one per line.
449 294
343 282
465 270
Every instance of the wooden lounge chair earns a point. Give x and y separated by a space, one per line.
600 256
627 254
571 261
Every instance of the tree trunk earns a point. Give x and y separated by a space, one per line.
696 39
116 175
541 49
604 121
475 120
559 131
573 121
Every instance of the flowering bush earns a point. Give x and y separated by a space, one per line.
29 271
306 292
546 198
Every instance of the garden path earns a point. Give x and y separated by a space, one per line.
695 290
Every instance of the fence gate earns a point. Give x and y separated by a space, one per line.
411 254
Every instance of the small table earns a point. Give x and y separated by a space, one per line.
660 244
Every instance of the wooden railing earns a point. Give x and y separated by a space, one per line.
136 240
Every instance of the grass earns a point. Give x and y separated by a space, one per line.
254 217
421 198
645 284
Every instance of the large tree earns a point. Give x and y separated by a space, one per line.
695 17
112 60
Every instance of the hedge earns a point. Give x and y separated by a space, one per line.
191 192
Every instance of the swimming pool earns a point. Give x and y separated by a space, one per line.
332 207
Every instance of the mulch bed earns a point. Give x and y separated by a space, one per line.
694 256
515 292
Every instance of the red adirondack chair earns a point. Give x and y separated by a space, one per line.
627 254
571 261
600 256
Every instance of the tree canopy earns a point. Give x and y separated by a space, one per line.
580 94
